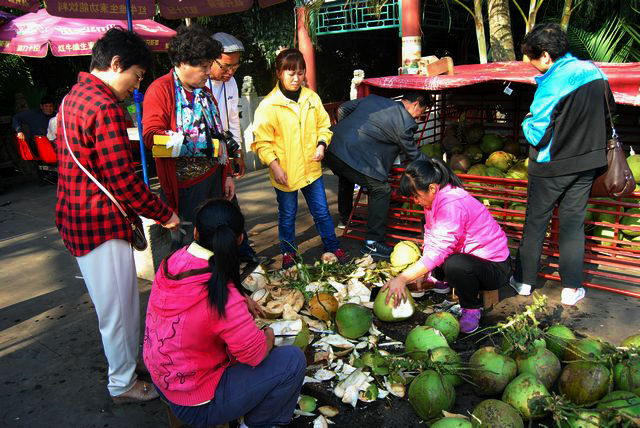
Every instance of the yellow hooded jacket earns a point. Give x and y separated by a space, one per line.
290 132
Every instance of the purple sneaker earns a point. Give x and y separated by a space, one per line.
441 287
469 320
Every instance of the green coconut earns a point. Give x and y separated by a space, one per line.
447 356
501 160
496 414
477 169
460 162
583 419
353 320
452 422
624 402
631 341
631 221
527 394
605 217
634 166
302 338
604 232
492 171
491 143
491 372
541 363
432 150
558 337
473 133
446 323
474 153
307 403
583 349
388 312
584 382
430 393
422 339
626 375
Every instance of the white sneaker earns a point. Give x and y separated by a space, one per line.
571 296
520 287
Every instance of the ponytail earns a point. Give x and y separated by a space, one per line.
421 173
219 224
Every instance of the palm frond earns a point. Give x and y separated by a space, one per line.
605 45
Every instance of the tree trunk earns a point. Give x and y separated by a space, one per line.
479 20
566 14
501 38
533 11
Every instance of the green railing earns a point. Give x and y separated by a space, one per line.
354 15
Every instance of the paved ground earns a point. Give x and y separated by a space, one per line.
51 362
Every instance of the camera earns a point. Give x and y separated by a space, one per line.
232 145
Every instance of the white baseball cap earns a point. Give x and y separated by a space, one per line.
229 43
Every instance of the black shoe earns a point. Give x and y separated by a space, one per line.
258 260
376 250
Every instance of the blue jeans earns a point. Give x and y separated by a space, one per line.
317 202
266 395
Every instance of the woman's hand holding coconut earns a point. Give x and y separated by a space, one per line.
397 286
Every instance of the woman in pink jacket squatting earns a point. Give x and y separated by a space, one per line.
204 352
461 240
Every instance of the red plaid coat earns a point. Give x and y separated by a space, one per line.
97 134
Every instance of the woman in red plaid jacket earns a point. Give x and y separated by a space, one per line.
91 226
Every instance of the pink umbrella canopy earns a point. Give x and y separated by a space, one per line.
143 9
31 34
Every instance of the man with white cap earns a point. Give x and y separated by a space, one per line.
225 89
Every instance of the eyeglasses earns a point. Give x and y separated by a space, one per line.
225 67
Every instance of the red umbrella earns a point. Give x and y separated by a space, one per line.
33 33
142 9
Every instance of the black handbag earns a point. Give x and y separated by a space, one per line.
616 180
139 239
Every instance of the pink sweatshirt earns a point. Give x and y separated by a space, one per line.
458 223
187 346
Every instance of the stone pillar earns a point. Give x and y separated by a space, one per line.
306 47
247 105
411 35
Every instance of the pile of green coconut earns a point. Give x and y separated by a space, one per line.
526 371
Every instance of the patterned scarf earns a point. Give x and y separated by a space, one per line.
197 122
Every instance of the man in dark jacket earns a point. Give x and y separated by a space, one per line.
566 128
29 123
368 137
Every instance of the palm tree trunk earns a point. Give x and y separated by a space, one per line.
501 38
566 14
534 5
479 20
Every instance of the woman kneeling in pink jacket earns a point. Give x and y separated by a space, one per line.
461 240
204 352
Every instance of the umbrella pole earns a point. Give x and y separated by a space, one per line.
137 98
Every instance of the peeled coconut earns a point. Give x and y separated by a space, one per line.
452 422
261 296
584 382
447 356
558 337
353 320
388 312
626 375
329 258
323 306
501 160
273 309
460 162
496 413
583 349
527 395
542 363
422 339
491 143
430 394
624 402
256 279
446 323
491 372
631 341
288 328
404 254
307 403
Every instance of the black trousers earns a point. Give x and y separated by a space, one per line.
379 196
571 193
470 275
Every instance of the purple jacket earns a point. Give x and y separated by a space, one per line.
458 223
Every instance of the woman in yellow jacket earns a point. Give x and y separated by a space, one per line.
291 132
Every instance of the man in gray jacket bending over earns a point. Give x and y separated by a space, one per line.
369 135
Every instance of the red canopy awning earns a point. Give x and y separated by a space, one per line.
624 78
